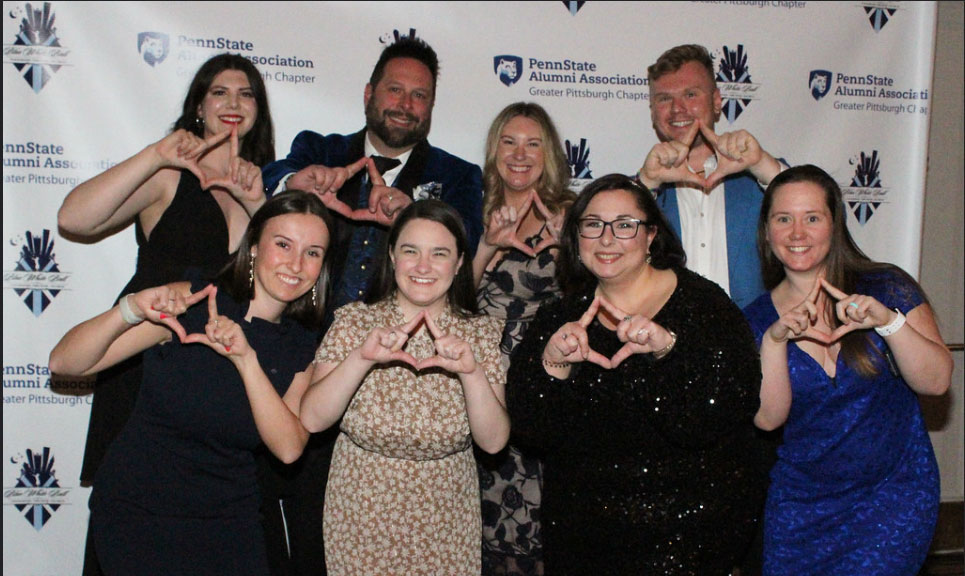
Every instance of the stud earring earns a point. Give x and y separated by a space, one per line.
251 272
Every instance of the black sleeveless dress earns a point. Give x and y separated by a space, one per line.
192 233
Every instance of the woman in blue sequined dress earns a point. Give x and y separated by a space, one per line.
846 343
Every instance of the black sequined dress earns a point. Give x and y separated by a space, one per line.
649 468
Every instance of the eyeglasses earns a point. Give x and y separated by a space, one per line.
622 228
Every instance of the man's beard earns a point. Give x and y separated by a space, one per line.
395 137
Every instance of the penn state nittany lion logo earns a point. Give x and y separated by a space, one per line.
508 68
153 47
819 83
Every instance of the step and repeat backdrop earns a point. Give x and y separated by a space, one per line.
844 85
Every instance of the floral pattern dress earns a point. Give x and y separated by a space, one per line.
511 481
403 493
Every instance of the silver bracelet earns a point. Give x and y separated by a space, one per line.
893 326
127 313
658 354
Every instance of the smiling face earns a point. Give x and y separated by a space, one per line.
799 227
426 260
398 110
229 101
678 98
519 154
612 259
288 259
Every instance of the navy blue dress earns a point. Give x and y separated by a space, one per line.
177 492
855 489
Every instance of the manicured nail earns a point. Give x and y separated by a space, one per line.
227 348
163 316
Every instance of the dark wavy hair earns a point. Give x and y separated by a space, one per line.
258 145
462 295
407 47
665 250
235 276
553 183
844 265
671 61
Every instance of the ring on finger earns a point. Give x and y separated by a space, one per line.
627 318
852 304
643 331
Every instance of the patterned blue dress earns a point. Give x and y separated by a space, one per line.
855 489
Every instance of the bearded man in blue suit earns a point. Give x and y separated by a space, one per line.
398 114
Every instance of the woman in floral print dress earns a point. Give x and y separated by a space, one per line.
415 377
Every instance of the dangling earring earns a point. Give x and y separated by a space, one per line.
315 296
251 272
648 258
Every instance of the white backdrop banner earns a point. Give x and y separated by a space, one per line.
844 85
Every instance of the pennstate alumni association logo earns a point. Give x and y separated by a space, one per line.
508 68
879 13
734 82
37 493
819 82
153 47
865 193
36 278
36 51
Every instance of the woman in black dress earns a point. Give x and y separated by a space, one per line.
177 492
639 388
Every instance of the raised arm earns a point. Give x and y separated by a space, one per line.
275 417
121 332
915 341
145 181
333 384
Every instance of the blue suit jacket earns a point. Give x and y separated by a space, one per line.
456 182
742 208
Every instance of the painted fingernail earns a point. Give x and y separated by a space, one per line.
163 316
227 348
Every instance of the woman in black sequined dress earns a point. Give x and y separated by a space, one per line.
639 388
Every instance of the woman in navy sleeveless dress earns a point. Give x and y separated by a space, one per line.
177 492
846 343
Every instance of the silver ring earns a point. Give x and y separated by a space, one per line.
643 331
216 321
627 318
390 198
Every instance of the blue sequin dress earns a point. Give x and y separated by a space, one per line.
856 488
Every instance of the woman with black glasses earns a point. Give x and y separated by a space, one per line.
639 388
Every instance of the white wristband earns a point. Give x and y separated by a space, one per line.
127 313
893 326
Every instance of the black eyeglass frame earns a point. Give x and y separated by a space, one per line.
613 230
